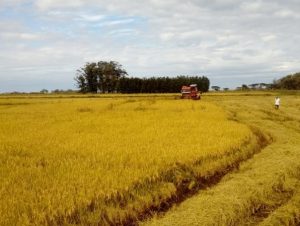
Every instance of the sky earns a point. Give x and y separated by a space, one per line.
232 42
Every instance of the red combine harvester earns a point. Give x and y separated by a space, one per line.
190 92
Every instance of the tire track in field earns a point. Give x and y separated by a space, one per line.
183 192
188 175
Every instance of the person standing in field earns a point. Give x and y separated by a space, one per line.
277 102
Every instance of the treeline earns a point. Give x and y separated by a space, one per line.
291 82
288 82
161 84
110 77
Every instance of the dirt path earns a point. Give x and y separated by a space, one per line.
265 189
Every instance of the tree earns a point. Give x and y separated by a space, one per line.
44 91
291 82
87 78
81 83
216 88
101 76
245 87
109 74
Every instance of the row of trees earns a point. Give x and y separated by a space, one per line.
289 82
161 84
107 77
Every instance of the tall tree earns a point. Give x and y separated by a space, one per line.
101 76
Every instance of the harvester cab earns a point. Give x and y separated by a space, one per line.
190 92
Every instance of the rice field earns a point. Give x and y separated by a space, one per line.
105 161
265 190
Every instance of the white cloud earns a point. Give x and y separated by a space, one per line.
268 37
10 3
53 4
252 6
14 36
116 22
286 13
91 18
123 32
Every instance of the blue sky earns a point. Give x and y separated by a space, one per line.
44 42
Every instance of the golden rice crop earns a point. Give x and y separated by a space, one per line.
265 190
57 155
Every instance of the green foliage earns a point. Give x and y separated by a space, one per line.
101 76
44 91
245 87
109 77
291 82
216 88
161 84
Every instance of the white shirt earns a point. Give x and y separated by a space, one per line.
277 101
